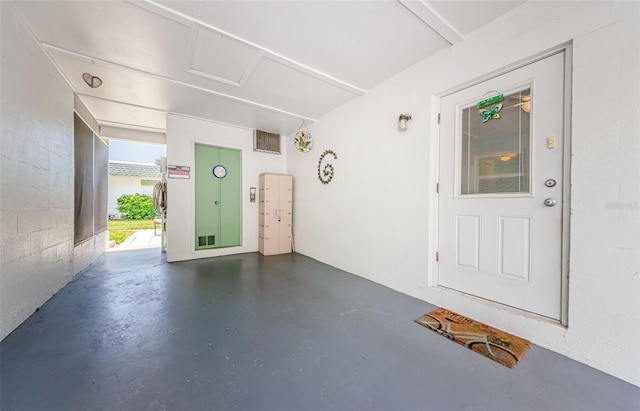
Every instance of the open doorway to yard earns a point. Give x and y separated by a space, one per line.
134 171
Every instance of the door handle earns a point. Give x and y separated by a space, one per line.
550 202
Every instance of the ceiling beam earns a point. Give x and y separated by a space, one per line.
424 12
118 133
81 110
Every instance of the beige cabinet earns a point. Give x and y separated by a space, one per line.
276 213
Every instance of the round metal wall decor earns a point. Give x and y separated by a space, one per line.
325 174
303 141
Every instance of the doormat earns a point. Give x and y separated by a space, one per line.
495 344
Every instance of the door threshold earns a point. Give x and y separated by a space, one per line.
496 305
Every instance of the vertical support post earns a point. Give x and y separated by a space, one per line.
163 179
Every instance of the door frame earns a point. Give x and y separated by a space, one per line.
434 156
214 252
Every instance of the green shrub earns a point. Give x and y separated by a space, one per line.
136 206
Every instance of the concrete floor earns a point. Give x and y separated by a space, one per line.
140 239
249 332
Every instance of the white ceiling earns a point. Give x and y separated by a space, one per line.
256 64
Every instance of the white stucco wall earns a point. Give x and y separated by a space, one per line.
120 185
377 217
37 256
182 134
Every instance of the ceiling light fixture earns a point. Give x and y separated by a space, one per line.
526 104
402 121
91 80
508 157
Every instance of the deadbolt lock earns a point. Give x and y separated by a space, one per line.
550 182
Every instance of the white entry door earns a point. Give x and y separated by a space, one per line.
501 188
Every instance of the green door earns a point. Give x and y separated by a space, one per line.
218 210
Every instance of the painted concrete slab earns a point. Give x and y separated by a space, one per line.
249 332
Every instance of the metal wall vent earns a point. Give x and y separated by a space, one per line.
266 142
206 240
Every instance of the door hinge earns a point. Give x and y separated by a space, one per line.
438 188
438 118
437 256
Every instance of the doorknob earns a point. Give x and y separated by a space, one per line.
550 202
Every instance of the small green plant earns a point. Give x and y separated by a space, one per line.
130 225
119 230
136 206
119 236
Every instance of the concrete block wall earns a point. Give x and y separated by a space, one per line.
378 218
605 196
37 256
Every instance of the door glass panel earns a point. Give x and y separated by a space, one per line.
495 146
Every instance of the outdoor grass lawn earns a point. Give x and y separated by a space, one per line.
119 230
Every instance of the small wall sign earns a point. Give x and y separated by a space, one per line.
178 171
491 100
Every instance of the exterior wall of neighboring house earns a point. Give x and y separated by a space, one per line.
130 178
378 217
118 186
38 255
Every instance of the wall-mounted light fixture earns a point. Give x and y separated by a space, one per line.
252 194
91 80
402 121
